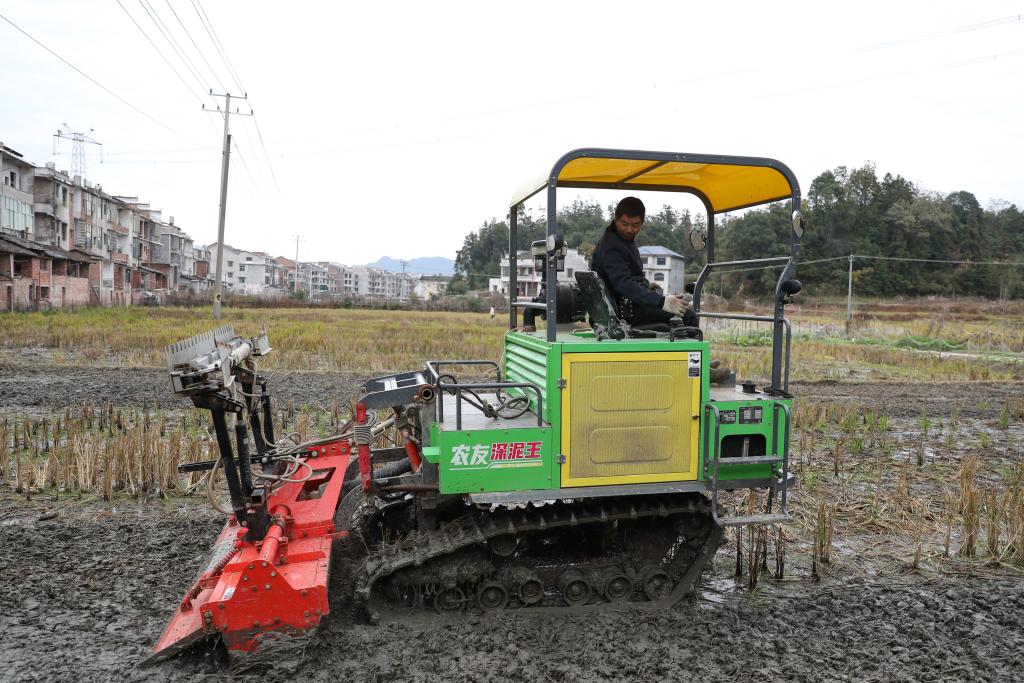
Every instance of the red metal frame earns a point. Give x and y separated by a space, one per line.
275 586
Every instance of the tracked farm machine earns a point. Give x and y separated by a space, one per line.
581 472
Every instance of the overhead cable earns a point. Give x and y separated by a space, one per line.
159 52
172 41
194 44
98 84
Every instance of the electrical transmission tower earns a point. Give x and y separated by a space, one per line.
78 139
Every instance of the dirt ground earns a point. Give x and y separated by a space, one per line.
40 386
87 592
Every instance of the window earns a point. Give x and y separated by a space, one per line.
659 277
241 279
64 196
241 267
661 260
231 264
248 258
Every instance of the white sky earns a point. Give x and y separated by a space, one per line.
395 128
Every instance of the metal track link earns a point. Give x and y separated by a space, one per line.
478 526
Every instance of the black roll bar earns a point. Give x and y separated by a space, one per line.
552 228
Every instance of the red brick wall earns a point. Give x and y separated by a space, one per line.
75 292
14 295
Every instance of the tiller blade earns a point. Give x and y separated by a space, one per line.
254 592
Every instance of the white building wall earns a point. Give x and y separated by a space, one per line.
528 281
664 267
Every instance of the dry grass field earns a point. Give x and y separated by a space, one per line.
919 340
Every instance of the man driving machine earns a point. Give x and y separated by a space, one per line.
617 260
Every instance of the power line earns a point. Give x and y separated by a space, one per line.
942 34
881 258
167 61
248 139
162 28
215 39
97 83
201 55
222 51
241 158
266 154
931 260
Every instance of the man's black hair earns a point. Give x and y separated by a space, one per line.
630 206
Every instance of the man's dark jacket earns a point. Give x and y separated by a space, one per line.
618 263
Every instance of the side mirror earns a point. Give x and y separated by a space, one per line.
791 287
554 243
698 240
798 224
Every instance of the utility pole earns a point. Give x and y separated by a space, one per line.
225 162
295 287
849 300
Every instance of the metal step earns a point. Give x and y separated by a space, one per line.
754 519
754 460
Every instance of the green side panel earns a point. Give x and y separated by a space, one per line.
773 439
526 360
494 459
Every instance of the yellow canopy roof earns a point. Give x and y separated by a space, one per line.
724 183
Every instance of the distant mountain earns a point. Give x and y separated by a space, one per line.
428 265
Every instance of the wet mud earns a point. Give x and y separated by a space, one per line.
87 593
87 588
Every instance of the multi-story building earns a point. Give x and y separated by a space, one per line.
53 193
117 243
34 275
253 273
17 212
354 281
171 252
528 280
285 273
335 276
146 241
663 267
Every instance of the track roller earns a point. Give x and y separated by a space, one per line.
617 586
492 595
655 582
574 587
449 600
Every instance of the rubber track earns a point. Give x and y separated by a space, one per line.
477 526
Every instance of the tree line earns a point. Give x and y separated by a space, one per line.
845 212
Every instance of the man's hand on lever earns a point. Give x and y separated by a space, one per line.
674 305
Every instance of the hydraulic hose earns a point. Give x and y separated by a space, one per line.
388 469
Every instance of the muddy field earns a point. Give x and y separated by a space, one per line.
88 586
45 387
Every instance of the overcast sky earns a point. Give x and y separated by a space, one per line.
395 128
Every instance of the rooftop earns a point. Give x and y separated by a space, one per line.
658 251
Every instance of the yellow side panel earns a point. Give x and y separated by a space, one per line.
629 418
